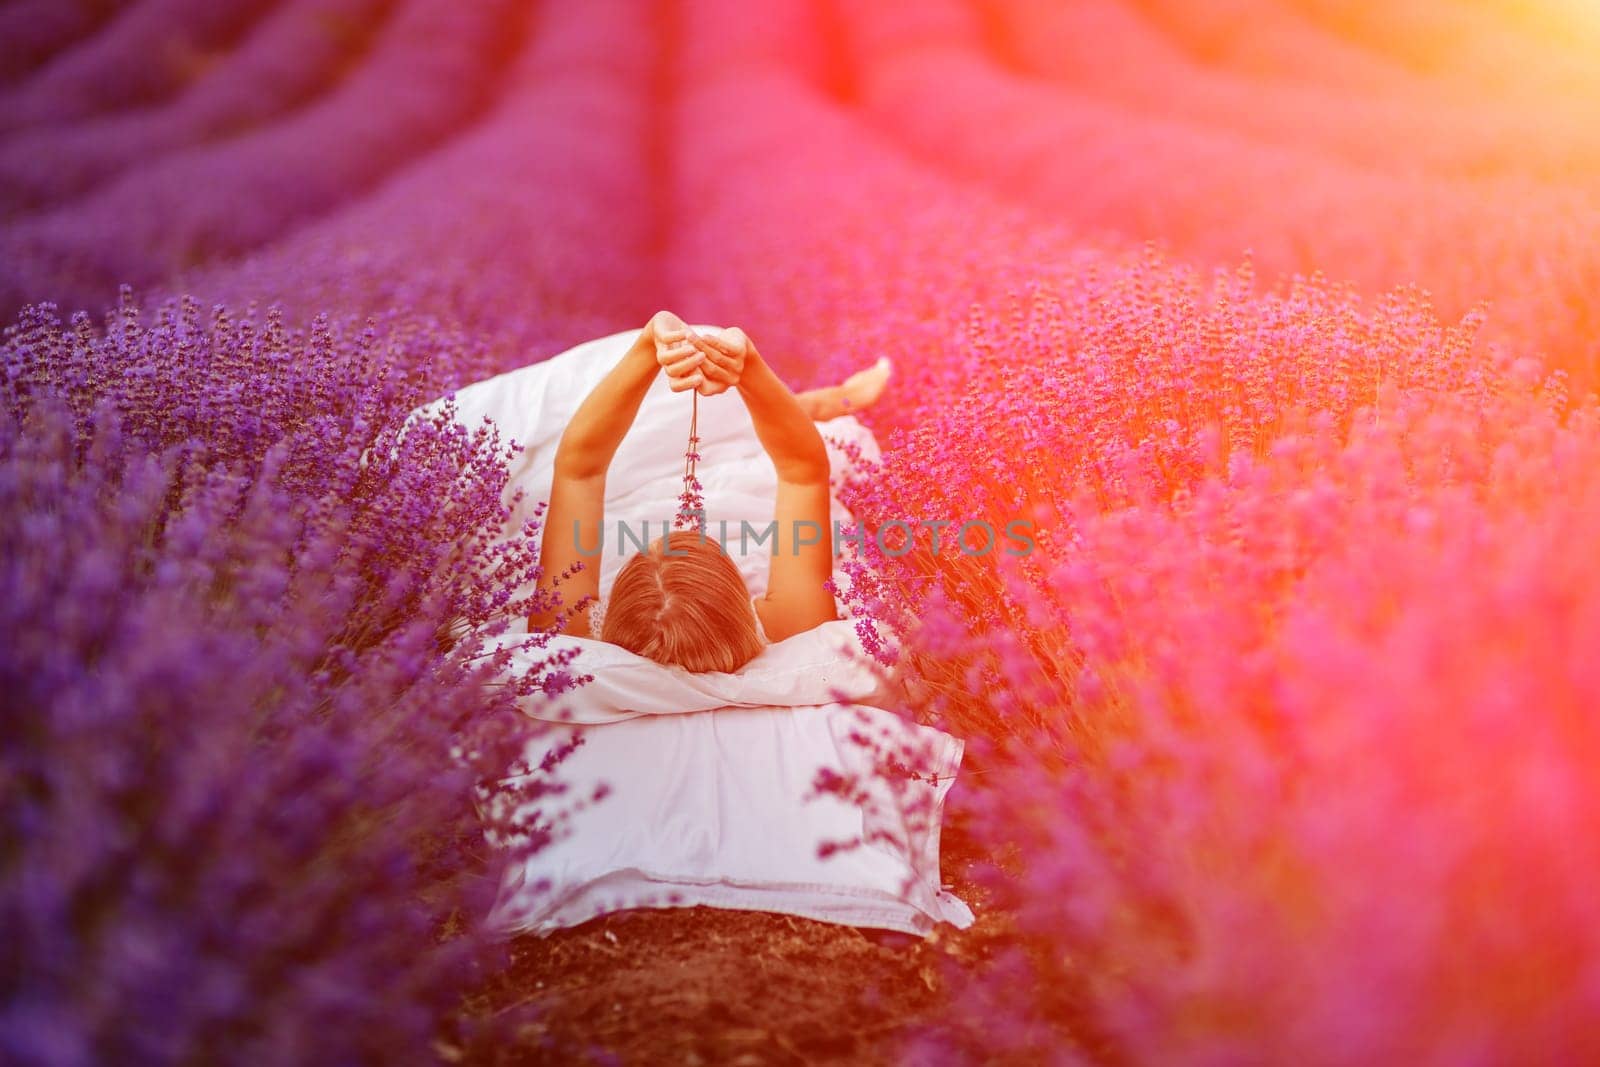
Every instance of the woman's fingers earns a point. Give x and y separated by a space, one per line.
664 324
719 343
720 362
719 357
721 368
681 364
693 380
679 359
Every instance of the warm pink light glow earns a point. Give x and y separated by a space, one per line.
1292 718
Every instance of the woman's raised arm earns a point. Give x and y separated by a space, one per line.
802 557
574 520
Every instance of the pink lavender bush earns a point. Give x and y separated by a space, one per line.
775 233
1472 44
1213 195
1284 721
1140 400
1181 62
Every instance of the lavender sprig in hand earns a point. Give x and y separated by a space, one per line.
692 366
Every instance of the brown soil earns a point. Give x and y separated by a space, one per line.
709 986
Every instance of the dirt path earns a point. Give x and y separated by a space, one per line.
708 986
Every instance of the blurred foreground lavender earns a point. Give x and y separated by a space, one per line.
233 584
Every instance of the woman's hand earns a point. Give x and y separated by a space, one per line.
690 363
680 359
724 353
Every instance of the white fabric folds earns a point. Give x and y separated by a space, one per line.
709 780
819 666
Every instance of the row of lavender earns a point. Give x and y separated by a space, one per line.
1365 151
1515 226
1287 723
243 733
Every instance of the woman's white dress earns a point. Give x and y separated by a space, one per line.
712 807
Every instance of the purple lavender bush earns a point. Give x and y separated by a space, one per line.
35 31
142 53
432 68
535 230
296 50
242 727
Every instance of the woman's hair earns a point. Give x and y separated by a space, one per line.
687 606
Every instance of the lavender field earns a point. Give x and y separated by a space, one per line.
1279 318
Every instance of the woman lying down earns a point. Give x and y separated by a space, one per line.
712 714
